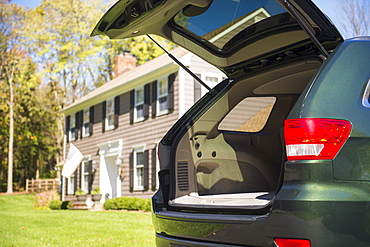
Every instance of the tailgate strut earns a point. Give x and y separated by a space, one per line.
185 68
306 27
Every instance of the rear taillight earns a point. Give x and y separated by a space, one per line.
285 242
315 138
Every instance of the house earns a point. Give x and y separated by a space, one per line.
116 128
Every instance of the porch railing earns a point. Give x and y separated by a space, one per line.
39 185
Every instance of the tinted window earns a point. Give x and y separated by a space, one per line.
224 19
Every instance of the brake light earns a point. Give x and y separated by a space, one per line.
315 138
285 242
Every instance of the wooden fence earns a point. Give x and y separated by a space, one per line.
39 185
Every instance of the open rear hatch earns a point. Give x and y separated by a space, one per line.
215 157
228 34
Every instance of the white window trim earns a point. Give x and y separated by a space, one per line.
107 126
136 119
72 119
70 188
84 162
139 149
204 75
84 134
161 96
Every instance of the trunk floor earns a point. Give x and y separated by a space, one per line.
238 200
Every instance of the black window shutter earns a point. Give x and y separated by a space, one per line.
132 104
104 114
146 100
68 124
116 111
80 171
154 169
146 170
197 89
131 172
89 169
171 79
154 98
75 181
77 124
81 122
91 121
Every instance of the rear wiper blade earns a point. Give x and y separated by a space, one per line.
213 92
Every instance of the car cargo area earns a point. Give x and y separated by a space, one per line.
232 156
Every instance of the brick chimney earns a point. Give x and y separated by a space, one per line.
123 62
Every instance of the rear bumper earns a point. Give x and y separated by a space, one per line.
178 242
324 223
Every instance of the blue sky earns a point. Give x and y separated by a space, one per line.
27 3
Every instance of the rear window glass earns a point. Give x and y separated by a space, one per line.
250 115
225 19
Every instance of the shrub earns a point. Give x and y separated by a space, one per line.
96 191
55 205
128 203
43 199
109 204
80 191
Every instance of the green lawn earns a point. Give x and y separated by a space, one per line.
21 225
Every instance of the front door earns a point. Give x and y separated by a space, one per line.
109 177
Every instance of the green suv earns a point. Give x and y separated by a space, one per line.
277 154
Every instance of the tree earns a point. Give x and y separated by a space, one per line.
27 136
355 18
9 66
58 36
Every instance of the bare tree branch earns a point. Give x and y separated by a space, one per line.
355 17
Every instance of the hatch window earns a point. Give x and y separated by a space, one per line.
225 19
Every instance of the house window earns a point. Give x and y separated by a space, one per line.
72 128
162 96
86 123
85 175
139 104
211 79
71 184
139 160
109 119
